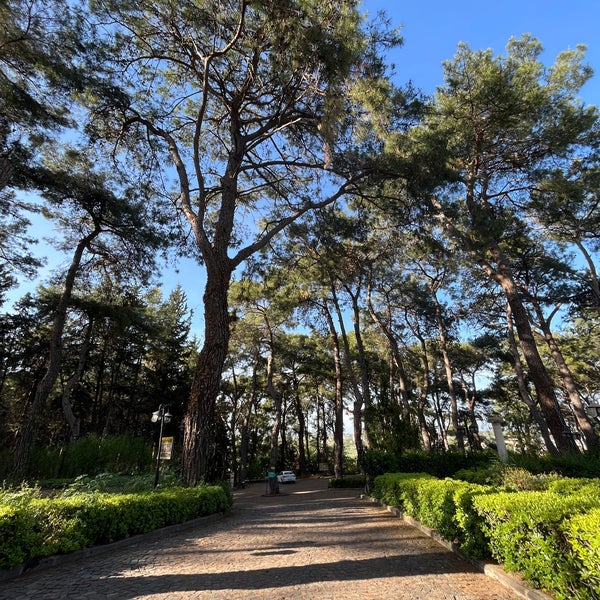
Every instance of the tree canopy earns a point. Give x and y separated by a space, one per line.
410 264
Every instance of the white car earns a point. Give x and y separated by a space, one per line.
286 477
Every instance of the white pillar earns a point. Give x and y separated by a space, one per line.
496 423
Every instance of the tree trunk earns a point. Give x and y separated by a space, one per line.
542 382
523 391
423 395
277 403
338 427
591 439
198 442
301 427
27 434
245 426
395 351
595 285
448 368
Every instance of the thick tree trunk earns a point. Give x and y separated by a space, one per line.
198 442
523 391
542 382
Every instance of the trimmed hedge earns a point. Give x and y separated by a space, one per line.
441 504
527 534
44 527
551 537
582 533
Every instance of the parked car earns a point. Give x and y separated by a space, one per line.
286 477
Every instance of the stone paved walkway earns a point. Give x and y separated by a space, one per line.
308 543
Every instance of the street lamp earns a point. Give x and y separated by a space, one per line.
164 416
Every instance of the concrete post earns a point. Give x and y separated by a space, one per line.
496 423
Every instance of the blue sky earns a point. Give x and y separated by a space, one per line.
432 31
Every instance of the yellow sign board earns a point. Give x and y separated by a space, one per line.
166 448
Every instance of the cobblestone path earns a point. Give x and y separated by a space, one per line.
307 543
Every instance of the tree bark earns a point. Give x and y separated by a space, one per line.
591 439
45 386
198 441
338 427
542 382
448 368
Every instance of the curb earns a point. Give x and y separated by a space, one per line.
492 570
37 564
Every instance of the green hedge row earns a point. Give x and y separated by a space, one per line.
44 527
551 537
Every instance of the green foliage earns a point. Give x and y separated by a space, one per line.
378 462
550 537
40 527
525 534
442 464
512 478
569 465
444 505
471 537
582 533
16 535
395 488
113 483
91 455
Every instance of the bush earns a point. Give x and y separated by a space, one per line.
524 531
91 455
391 488
443 505
40 527
582 533
551 537
570 465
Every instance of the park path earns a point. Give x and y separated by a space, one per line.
310 542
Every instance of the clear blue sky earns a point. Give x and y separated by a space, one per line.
432 30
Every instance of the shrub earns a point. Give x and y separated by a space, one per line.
444 505
44 526
91 455
570 465
524 531
582 533
472 537
390 488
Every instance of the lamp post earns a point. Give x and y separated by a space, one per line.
164 416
